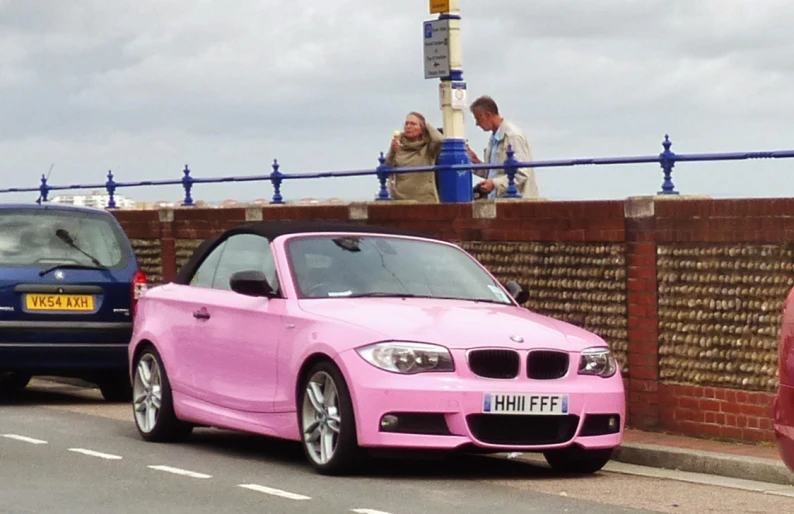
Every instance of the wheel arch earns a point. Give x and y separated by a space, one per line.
307 364
303 371
139 347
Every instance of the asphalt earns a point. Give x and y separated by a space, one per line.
676 458
60 461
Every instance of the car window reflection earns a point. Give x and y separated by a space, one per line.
328 267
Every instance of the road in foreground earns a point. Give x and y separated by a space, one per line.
63 449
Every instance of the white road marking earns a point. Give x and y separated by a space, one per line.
275 492
183 472
24 439
92 453
368 511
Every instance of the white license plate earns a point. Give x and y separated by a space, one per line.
493 403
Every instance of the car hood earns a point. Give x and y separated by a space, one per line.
452 323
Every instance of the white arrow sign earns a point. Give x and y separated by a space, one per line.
436 38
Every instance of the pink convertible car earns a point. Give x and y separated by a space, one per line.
351 339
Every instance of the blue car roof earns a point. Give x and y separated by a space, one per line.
51 207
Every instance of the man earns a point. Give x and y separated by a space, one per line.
503 133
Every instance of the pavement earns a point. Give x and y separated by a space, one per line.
756 462
749 467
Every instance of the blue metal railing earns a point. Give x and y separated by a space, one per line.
666 159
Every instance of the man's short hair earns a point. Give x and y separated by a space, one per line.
485 103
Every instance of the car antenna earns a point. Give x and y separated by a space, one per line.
38 201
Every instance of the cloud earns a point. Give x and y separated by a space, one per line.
145 87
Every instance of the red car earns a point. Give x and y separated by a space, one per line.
784 400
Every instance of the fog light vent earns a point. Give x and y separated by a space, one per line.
601 424
428 423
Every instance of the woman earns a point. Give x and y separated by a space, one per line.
418 145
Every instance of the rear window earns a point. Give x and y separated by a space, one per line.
29 238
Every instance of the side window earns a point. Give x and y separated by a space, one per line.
246 252
205 273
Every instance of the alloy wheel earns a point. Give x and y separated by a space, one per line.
321 418
147 393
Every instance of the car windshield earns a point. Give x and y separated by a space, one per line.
30 237
331 266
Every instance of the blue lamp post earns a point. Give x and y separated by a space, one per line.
442 57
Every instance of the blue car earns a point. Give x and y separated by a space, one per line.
69 282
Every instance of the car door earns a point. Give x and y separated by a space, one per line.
235 362
186 329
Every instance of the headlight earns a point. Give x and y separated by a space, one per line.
597 361
407 358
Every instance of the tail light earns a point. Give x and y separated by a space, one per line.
139 286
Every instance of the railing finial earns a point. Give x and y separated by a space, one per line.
511 168
383 175
44 190
667 161
187 183
110 185
276 178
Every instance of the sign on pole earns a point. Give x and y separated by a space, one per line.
436 37
439 6
458 99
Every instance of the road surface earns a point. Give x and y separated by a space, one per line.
63 449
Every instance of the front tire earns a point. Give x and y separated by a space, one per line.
152 403
327 422
577 460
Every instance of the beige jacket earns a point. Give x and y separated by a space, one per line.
419 187
525 177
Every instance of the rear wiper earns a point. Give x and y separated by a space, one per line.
67 265
64 236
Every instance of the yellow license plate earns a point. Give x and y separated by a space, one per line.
59 302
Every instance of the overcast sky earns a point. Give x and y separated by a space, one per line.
144 87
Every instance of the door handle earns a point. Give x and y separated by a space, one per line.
201 314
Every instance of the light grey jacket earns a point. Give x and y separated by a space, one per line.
525 177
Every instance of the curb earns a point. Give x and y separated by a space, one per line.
710 463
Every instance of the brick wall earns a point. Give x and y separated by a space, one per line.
687 292
724 269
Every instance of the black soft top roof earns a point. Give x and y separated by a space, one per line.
273 229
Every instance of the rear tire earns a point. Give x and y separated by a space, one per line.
12 382
577 460
152 403
117 389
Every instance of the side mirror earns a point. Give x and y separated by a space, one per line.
517 292
250 283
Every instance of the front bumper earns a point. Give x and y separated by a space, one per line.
445 411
